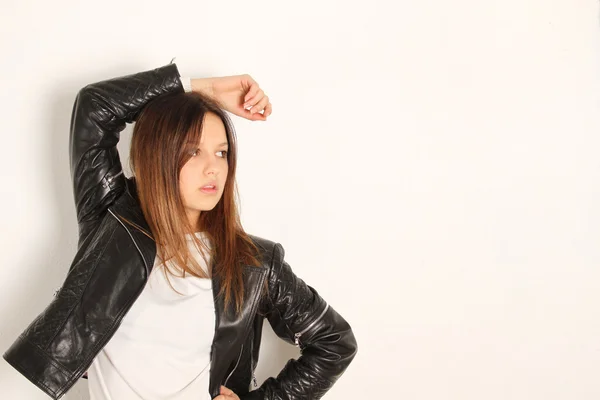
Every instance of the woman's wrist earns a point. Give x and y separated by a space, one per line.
203 86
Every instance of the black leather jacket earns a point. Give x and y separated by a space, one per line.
113 261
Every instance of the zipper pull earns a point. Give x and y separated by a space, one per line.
298 334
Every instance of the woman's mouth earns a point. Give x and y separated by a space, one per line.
209 189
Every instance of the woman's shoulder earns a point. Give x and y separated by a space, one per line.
269 250
266 246
262 242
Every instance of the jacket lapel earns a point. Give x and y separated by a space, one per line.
127 206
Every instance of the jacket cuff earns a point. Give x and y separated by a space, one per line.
186 82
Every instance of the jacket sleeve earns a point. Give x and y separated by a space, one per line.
300 316
99 114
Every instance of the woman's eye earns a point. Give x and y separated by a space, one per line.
195 153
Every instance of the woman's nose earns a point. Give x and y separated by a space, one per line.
211 168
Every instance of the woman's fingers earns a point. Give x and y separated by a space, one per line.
268 110
225 390
255 117
255 98
264 105
226 394
252 93
258 107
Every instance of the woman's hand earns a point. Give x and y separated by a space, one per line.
226 394
238 94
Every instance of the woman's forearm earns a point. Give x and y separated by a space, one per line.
203 86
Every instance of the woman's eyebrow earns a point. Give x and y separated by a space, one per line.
219 145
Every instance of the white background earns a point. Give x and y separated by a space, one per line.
431 167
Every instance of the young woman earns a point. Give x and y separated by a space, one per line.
166 295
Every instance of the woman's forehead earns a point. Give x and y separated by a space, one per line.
203 141
210 136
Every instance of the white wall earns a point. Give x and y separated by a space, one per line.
430 167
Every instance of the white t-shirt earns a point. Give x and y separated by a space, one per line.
161 350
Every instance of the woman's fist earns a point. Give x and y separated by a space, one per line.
226 394
239 94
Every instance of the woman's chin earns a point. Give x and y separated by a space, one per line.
206 207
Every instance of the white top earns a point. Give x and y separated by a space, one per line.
161 350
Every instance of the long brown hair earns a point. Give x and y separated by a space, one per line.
160 147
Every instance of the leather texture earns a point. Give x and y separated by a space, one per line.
113 261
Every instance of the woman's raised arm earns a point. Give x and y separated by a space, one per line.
100 113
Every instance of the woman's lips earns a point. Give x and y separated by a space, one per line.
208 189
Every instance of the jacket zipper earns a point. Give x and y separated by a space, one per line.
236 364
119 317
134 242
110 178
252 368
303 331
252 365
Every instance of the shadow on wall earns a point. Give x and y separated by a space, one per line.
51 253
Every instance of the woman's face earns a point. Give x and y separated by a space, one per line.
208 166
